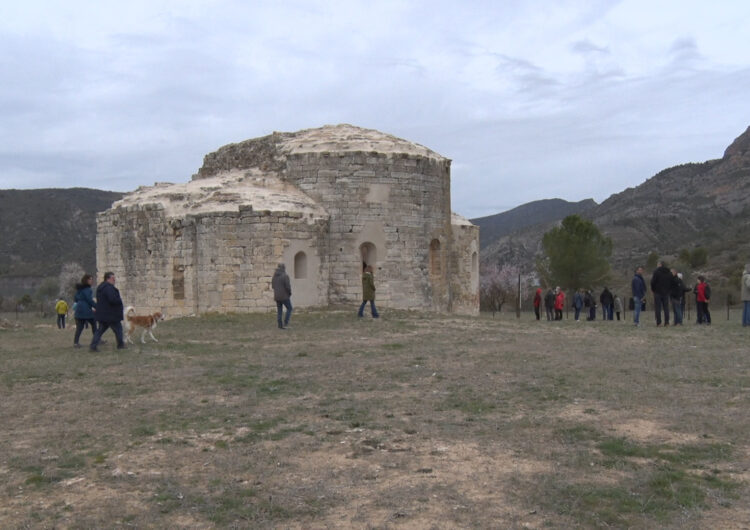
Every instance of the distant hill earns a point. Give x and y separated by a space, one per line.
42 229
533 213
698 204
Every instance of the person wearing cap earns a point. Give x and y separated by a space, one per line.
282 294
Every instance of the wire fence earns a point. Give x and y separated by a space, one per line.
724 311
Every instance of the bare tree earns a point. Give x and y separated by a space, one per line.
497 286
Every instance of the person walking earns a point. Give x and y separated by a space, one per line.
84 307
638 289
559 303
368 293
538 302
661 283
618 306
282 294
549 303
702 298
108 312
578 304
745 296
61 308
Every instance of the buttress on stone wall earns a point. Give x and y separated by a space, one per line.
321 201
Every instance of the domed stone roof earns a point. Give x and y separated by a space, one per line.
348 138
225 192
269 153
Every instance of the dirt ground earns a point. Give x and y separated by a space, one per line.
410 421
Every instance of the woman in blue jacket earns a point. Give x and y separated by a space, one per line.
84 307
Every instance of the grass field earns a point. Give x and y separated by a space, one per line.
412 421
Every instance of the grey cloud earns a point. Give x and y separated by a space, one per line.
585 47
684 52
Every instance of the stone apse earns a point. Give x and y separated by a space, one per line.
321 201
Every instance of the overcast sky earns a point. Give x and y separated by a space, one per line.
530 99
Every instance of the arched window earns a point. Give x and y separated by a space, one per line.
369 254
300 266
435 268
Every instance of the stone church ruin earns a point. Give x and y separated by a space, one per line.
321 201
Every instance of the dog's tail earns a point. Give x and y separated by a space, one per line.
129 311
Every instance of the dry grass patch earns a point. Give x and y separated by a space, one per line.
416 420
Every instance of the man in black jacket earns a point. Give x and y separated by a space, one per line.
661 285
108 311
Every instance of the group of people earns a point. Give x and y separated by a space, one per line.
668 288
105 311
554 302
100 313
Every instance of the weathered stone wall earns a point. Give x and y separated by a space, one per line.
399 203
465 267
325 200
212 262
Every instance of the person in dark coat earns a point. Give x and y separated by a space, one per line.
282 294
84 307
108 311
590 303
368 293
661 285
578 304
638 288
677 295
607 301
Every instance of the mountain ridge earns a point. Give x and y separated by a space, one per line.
697 204
528 214
43 229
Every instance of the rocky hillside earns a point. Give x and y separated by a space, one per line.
699 204
533 213
42 229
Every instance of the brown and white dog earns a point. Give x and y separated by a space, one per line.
147 323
